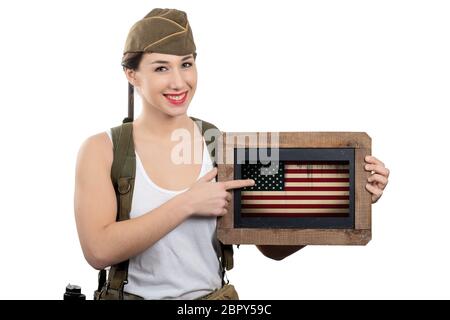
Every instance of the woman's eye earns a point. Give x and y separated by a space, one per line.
160 69
187 64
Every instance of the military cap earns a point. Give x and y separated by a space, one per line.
162 31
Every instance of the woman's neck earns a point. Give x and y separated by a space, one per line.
159 125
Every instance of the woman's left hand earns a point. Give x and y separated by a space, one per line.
379 178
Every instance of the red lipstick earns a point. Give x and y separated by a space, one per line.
176 98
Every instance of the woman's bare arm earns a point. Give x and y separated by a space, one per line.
278 252
104 241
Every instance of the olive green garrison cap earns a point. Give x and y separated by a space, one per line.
162 31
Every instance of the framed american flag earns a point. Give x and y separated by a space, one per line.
310 188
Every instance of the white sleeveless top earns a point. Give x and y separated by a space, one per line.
184 263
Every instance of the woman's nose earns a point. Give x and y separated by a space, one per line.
177 81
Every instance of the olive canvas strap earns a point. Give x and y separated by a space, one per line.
204 126
123 173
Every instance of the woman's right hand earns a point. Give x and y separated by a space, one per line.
211 199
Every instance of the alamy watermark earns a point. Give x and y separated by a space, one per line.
265 147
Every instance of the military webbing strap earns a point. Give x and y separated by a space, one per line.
123 172
226 250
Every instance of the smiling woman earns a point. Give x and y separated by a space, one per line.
149 217
131 61
161 78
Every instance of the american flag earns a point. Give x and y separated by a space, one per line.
296 189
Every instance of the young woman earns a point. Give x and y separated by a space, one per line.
169 239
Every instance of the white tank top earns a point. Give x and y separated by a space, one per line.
183 264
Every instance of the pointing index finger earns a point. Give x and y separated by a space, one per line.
234 184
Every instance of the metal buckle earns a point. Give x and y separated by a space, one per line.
122 187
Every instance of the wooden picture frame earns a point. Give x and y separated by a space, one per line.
306 145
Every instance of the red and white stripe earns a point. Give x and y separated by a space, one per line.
312 189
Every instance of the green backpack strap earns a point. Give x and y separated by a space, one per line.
123 171
226 249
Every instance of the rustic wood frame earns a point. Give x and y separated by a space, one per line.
361 233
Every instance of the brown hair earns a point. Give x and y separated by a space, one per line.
131 60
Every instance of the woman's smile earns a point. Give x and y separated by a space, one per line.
176 98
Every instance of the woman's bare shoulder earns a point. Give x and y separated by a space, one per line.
96 150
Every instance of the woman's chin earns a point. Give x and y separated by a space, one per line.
176 108
176 111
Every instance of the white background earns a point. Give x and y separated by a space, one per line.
381 67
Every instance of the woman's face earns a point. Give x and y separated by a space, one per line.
165 82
